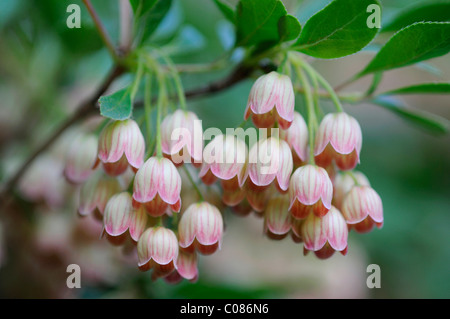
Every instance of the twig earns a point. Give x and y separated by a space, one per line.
101 29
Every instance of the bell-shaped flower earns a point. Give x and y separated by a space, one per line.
310 190
325 235
344 182
277 219
185 267
339 138
297 138
120 216
120 144
201 228
182 138
157 185
270 159
271 99
95 193
158 250
81 157
362 209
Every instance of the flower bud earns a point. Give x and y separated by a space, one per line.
158 250
310 190
158 185
182 137
201 227
362 208
270 159
121 143
325 235
271 99
339 138
297 138
277 219
81 158
343 183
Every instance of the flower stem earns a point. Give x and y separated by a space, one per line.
162 100
193 183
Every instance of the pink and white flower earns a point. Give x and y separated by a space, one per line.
185 267
363 209
277 219
182 137
270 159
120 216
201 228
344 182
339 138
297 138
271 99
325 235
157 186
310 190
120 144
158 250
81 157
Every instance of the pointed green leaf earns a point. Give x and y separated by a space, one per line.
437 11
418 42
430 88
116 106
338 30
148 15
429 121
257 21
288 28
226 10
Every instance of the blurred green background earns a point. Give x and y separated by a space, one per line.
46 68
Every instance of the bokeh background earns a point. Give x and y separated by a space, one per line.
46 69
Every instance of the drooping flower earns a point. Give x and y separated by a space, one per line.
157 186
310 190
225 158
158 250
120 144
343 183
362 209
81 157
270 159
297 138
185 267
277 219
339 138
325 235
120 216
201 228
95 193
182 138
271 99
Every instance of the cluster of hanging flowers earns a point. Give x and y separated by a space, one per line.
306 190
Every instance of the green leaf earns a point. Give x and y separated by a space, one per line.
337 30
288 28
437 11
116 106
149 14
418 42
257 21
424 88
429 121
226 10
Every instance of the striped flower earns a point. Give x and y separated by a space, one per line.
201 228
310 190
339 138
157 186
363 209
277 219
121 144
271 99
325 235
297 138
